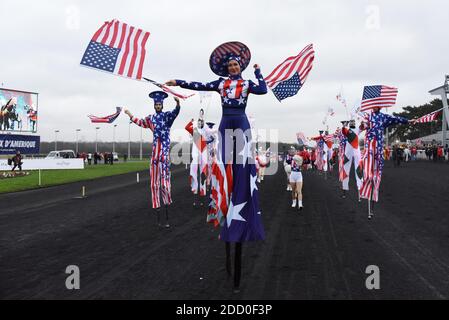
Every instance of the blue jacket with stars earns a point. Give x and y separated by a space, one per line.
160 123
378 122
234 91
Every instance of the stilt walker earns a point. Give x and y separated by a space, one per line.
234 194
351 155
160 123
341 152
211 141
199 164
373 161
319 151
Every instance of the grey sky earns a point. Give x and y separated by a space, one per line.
404 45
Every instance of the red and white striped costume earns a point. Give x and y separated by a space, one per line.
352 154
199 164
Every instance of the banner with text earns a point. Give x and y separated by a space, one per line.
11 143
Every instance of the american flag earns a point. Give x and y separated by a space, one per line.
168 90
301 138
288 77
117 48
378 97
428 117
108 119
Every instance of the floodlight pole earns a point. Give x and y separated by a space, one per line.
442 92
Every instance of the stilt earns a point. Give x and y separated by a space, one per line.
370 211
228 259
167 225
158 215
237 266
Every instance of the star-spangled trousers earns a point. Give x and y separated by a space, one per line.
233 192
160 176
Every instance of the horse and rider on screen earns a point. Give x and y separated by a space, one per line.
12 120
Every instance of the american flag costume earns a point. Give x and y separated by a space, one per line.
351 155
324 150
160 123
319 152
234 193
372 158
341 153
199 164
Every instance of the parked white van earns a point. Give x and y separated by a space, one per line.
63 154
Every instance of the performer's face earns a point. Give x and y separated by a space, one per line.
233 68
376 110
158 107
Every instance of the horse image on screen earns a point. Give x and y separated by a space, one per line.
18 110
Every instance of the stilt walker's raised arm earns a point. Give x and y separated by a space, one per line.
171 115
261 88
144 123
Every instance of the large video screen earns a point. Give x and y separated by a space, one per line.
18 110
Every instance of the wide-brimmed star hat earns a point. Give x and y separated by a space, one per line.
225 52
158 96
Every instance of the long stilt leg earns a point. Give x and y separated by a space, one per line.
228 259
370 207
237 266
158 215
167 225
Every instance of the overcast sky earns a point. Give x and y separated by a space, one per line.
400 43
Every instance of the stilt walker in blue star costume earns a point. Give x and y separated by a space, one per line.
234 196
160 123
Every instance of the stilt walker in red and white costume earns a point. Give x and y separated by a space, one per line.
351 155
199 164
211 140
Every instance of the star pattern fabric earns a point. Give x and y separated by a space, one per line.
373 161
160 123
288 88
100 56
234 91
234 195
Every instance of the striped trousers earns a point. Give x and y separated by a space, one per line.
372 171
160 175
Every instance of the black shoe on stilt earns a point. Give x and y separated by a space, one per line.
167 225
158 217
228 259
